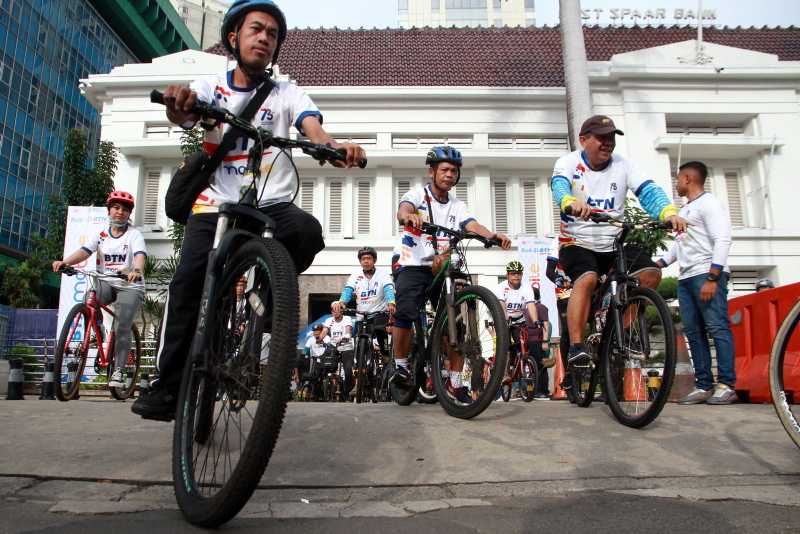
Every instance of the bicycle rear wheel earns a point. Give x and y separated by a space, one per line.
784 374
232 403
131 369
649 345
402 395
479 376
71 352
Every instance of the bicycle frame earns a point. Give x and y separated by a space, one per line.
104 347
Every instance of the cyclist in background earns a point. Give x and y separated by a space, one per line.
515 300
252 32
120 249
431 203
596 179
340 329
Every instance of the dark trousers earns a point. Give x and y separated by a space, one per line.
542 380
297 230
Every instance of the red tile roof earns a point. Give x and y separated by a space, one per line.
502 57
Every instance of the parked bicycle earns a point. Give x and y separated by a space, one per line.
82 335
629 323
784 373
522 369
460 339
232 400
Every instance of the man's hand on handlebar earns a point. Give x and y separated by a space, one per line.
354 155
58 265
179 100
413 219
505 242
579 209
679 224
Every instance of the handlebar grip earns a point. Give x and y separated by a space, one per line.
362 164
493 242
156 97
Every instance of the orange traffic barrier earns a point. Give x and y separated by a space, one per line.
558 375
683 384
755 319
634 385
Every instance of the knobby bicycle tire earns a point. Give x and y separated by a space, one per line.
362 378
614 367
212 504
404 396
527 382
134 360
777 360
59 365
487 395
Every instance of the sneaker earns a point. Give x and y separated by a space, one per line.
117 380
460 394
541 397
156 404
401 377
698 396
723 394
579 357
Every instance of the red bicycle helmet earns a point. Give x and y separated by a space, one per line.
122 197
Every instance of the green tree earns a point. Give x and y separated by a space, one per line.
102 176
83 186
21 285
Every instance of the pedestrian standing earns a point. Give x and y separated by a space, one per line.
539 344
702 255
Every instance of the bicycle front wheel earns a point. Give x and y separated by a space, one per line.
232 403
71 351
639 368
131 369
784 374
468 371
362 378
527 382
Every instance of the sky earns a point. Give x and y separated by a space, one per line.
383 13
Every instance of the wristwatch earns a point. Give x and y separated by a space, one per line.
711 277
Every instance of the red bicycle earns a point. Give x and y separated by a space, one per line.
82 335
521 367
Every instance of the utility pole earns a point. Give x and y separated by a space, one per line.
202 23
576 68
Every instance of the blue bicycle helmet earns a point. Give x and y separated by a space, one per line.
236 13
438 154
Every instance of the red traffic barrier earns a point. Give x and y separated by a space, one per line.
755 319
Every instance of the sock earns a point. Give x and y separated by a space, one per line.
455 379
402 362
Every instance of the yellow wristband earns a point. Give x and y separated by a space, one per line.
567 201
669 211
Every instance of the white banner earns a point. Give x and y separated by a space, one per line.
533 253
82 223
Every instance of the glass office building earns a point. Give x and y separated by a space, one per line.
46 46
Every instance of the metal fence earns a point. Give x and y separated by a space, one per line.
35 352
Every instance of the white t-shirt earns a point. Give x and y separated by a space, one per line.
116 253
515 299
603 190
418 249
317 349
707 241
285 106
338 330
369 292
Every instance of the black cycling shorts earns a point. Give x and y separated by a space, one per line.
411 293
577 261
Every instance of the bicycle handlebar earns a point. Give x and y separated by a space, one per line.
458 235
319 152
72 271
602 217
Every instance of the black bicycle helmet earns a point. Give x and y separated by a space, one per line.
764 283
235 15
368 250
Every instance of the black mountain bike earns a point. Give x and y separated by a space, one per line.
233 396
784 373
631 331
462 340
365 365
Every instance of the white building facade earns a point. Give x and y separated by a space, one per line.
741 120
203 18
494 13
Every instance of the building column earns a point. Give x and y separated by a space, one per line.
384 209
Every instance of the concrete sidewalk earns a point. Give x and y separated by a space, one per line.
335 460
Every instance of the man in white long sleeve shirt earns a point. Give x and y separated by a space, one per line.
702 255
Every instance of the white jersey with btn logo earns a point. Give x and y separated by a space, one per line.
418 249
515 299
116 253
338 330
369 291
287 105
603 190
